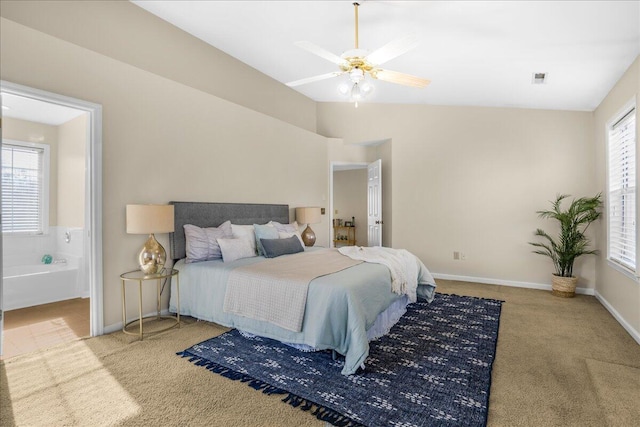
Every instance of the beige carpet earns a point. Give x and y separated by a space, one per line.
560 362
618 390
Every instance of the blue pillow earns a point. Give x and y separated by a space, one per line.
276 247
264 232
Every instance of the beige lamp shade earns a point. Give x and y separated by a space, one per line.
149 219
308 215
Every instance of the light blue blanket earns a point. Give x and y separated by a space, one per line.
340 308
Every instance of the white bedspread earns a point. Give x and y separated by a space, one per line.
402 264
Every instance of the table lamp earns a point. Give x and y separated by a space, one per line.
150 219
308 216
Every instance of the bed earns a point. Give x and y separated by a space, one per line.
344 310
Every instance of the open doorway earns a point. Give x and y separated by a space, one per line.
51 288
349 204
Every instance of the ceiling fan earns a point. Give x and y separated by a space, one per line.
358 63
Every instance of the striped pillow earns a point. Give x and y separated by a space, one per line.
202 243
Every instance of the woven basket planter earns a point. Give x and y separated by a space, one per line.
564 287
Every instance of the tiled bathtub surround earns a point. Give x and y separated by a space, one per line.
28 282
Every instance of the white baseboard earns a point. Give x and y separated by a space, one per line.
118 326
634 334
501 282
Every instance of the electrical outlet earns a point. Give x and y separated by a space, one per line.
463 256
456 255
335 212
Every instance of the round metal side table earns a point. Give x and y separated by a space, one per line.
141 277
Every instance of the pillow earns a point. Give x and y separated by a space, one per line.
276 247
245 232
288 230
264 232
202 244
233 249
285 228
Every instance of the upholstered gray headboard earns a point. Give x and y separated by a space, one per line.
214 214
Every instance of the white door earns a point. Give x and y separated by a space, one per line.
1 253
374 203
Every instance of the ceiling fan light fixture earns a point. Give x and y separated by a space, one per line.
357 63
366 88
344 88
356 75
356 92
359 91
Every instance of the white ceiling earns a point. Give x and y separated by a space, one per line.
33 110
480 53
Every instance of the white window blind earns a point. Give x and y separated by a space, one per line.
23 188
622 191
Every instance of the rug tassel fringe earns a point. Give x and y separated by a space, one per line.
321 412
231 374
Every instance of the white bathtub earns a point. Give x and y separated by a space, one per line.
29 285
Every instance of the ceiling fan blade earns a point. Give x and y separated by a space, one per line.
321 52
400 78
314 79
393 49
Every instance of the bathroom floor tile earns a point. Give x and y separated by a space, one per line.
33 328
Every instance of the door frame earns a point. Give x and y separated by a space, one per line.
333 167
93 192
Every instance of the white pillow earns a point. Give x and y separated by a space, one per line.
245 232
233 249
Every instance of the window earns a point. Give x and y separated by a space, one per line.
622 191
25 187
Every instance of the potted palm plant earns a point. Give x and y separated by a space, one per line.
571 242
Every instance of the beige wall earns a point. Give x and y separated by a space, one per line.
26 131
470 179
72 140
339 152
128 33
350 200
621 292
164 140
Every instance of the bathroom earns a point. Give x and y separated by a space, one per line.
43 212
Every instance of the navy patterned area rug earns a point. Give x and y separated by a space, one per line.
432 369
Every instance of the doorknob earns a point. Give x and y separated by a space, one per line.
379 222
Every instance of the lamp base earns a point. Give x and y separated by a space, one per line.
152 256
308 236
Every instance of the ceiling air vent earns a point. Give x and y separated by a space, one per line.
539 78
